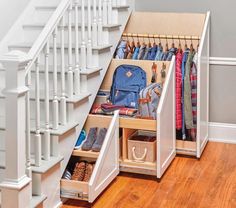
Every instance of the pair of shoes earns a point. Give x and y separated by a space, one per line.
67 175
80 139
82 171
94 139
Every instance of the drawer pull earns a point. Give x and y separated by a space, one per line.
139 159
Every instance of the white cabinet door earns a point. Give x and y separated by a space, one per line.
107 164
166 139
203 89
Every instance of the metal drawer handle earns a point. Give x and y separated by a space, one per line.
139 159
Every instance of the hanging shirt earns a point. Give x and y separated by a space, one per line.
145 56
136 52
178 77
188 114
142 51
193 80
184 60
153 52
159 54
121 50
170 53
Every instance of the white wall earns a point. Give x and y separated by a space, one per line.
9 11
223 42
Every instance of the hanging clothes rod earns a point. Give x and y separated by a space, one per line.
176 37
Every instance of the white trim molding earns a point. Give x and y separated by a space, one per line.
222 132
223 61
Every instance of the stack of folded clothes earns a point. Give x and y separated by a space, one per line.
108 109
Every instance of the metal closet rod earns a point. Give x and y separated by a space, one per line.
177 37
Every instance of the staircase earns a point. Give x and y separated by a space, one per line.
53 61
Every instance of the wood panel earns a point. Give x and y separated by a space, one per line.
204 183
145 65
163 24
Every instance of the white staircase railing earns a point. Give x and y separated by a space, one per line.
21 94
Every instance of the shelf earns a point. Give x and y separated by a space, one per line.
137 123
89 154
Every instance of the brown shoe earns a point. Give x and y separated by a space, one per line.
79 171
88 172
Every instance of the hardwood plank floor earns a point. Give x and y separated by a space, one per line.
206 183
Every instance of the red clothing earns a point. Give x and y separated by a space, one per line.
178 75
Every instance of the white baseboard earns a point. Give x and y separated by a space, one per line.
222 132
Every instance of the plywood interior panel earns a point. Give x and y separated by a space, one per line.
166 23
145 65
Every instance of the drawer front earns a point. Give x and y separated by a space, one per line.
107 162
74 189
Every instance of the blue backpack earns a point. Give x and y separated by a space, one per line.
128 81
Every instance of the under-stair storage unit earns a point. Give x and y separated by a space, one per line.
180 29
113 156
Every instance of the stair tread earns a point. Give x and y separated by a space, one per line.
41 25
60 131
46 165
28 45
53 7
36 200
90 71
73 99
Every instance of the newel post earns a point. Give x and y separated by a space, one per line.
16 191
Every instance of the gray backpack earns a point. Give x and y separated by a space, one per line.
149 98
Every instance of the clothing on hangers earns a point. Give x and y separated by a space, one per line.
193 80
188 114
178 75
184 60
159 53
136 52
142 51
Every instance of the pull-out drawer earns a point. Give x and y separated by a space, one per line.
107 162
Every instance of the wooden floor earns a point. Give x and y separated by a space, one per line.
209 182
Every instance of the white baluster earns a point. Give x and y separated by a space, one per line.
89 44
83 44
95 26
46 146
38 150
100 40
109 11
28 157
77 72
70 70
55 98
104 12
63 93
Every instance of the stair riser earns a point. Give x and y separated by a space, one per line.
31 33
2 174
48 184
46 13
42 56
2 140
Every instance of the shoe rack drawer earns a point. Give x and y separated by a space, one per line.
107 162
74 189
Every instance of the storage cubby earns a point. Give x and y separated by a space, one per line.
176 29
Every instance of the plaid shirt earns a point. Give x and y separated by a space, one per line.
178 77
193 80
